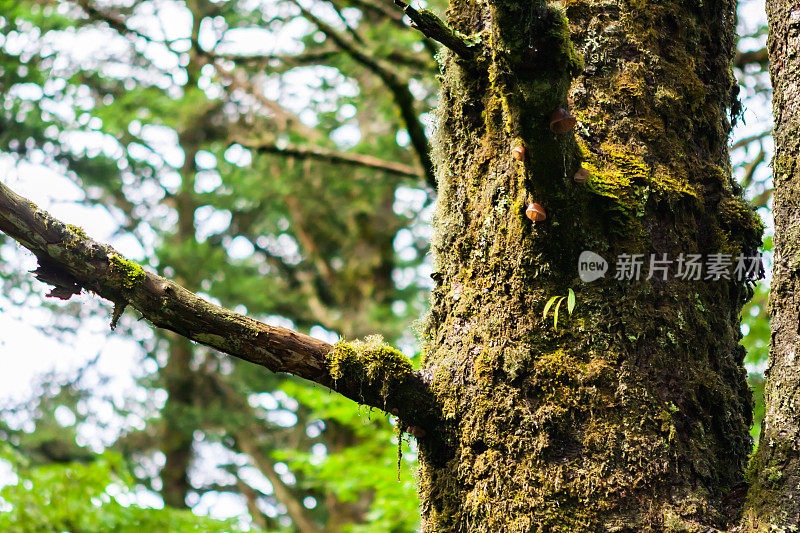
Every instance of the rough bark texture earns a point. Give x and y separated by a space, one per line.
774 496
633 414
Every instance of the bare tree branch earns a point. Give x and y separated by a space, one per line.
333 156
402 95
262 61
250 443
73 261
285 118
294 507
280 62
750 168
114 22
747 140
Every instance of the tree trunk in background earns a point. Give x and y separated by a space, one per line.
774 497
179 382
178 376
633 414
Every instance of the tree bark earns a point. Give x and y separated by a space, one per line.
633 414
774 495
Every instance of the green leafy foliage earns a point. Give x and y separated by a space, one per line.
755 323
558 300
95 496
395 507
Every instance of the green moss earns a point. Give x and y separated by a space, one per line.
592 405
484 366
612 183
670 185
369 361
737 213
766 470
668 423
625 178
560 35
77 234
77 230
617 173
129 273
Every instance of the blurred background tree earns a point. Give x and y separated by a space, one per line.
751 154
273 156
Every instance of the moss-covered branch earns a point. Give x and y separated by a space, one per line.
371 362
432 26
368 372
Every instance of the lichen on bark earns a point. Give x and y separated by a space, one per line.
77 230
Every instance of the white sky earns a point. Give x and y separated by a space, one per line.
17 336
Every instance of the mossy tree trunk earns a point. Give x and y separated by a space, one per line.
774 496
633 413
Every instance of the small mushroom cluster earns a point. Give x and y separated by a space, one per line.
560 122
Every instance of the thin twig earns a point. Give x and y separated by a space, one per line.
399 89
332 156
752 138
117 23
